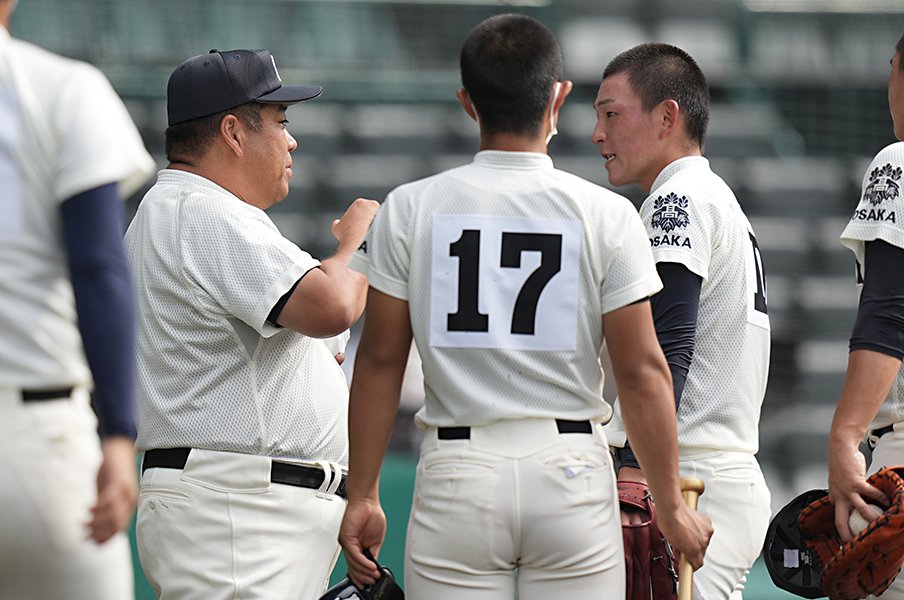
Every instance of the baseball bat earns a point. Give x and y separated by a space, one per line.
691 488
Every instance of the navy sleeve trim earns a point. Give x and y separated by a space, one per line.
675 317
104 301
277 309
880 316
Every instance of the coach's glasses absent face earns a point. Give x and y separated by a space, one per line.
270 156
896 95
626 134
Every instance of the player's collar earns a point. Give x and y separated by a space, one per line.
686 162
501 159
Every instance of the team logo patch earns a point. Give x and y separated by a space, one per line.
883 184
670 213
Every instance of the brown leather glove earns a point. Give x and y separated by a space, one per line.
869 562
650 566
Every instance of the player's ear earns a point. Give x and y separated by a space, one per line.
231 132
565 88
465 100
669 112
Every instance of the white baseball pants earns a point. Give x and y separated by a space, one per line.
220 530
49 456
518 507
737 501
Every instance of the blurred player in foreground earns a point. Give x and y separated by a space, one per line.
69 154
652 111
242 405
506 271
871 407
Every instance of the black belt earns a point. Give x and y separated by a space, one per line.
42 395
280 472
464 433
875 434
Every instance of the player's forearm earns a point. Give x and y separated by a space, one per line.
373 404
869 376
649 416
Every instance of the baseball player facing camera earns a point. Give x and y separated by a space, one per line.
871 406
242 404
506 271
652 111
69 155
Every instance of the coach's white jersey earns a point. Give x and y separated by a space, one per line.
50 107
508 266
880 216
694 219
212 372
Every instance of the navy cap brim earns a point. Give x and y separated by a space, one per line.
290 94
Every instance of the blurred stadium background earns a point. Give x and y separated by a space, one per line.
798 109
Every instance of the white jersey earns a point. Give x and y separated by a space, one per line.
880 216
693 218
63 131
508 266
213 373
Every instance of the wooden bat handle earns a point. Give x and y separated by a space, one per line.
691 488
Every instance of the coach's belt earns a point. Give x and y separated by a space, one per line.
280 472
42 395
464 433
872 437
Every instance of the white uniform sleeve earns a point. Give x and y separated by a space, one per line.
236 261
632 273
880 213
681 229
99 142
384 257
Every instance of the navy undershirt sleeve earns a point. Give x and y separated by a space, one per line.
104 302
880 317
675 317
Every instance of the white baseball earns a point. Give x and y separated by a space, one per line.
857 522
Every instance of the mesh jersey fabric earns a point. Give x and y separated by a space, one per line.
66 112
212 373
693 218
508 266
880 216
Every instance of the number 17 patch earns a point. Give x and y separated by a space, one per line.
505 282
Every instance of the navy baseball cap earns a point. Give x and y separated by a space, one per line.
209 83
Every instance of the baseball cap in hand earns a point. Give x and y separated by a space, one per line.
209 83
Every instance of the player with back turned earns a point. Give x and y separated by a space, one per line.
652 111
69 154
506 271
871 406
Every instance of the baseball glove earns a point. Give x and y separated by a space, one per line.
871 561
651 568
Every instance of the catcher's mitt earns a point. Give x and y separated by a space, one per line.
871 561
651 568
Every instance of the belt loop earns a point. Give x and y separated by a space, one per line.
322 491
336 472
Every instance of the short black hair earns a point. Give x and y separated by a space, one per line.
509 64
660 72
191 139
